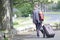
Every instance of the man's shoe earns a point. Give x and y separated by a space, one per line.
38 36
44 35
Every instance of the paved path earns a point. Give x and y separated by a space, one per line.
32 36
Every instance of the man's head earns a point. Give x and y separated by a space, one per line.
36 4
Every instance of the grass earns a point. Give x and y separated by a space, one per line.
21 22
5 38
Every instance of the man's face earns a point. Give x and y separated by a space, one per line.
36 6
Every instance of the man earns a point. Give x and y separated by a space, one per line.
36 19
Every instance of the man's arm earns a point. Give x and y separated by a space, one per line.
37 17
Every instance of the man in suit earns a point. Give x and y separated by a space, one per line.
36 19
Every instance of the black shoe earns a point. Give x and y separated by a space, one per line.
38 36
44 35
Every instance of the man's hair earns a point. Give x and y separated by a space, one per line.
36 3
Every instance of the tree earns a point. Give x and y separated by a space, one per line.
1 13
58 5
24 6
6 23
5 14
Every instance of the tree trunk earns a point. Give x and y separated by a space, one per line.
1 13
7 15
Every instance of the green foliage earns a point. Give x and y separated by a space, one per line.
58 5
5 38
25 9
18 13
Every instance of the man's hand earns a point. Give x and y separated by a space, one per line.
39 22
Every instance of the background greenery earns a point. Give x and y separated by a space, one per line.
25 7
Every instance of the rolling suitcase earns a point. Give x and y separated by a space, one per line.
48 31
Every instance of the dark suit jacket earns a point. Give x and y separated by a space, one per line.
35 16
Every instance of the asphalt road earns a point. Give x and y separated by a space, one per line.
32 36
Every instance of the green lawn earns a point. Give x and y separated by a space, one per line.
21 22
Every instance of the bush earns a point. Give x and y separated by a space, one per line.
58 5
25 9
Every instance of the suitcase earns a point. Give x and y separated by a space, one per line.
48 31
